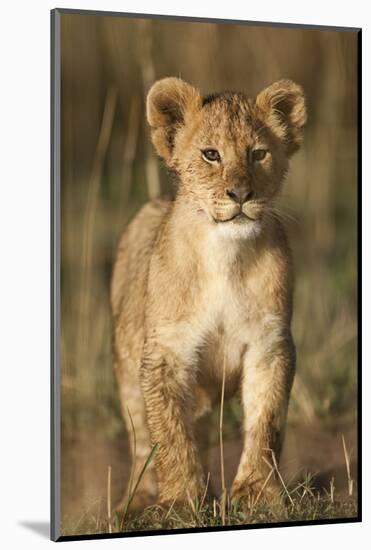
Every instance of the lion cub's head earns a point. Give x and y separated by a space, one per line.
230 152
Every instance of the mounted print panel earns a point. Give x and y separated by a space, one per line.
204 281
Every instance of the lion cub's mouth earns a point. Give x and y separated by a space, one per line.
240 217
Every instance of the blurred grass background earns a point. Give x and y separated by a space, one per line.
109 170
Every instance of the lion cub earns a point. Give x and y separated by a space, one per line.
204 283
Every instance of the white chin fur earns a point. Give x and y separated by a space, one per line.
230 230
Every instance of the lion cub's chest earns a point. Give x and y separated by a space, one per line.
227 314
225 320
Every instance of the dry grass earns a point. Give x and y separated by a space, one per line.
299 502
157 517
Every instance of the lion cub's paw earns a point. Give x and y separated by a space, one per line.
248 495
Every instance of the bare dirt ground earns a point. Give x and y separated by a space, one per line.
307 449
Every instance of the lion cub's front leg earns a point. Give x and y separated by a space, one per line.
167 394
267 380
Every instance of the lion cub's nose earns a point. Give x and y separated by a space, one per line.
240 194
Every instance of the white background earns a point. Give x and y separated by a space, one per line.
24 271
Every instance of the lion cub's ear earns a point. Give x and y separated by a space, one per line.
283 104
169 102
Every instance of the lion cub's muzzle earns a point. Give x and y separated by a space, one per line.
240 207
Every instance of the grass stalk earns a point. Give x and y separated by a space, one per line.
221 446
263 487
129 154
132 488
275 467
109 500
89 219
149 77
347 465
205 491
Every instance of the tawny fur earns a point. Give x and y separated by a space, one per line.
195 288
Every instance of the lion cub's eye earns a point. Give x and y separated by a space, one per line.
259 154
211 155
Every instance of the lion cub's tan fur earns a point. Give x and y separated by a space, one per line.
205 281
